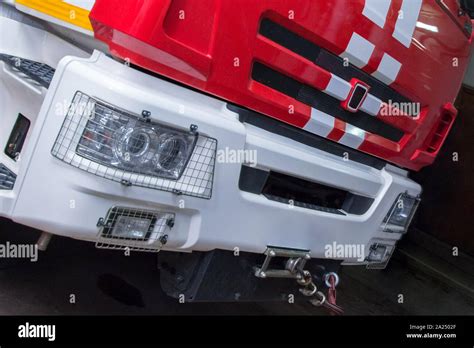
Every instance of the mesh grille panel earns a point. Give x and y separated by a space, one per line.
134 229
38 72
7 178
196 177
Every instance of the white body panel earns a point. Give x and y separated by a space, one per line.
53 196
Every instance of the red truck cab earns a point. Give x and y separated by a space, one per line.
379 76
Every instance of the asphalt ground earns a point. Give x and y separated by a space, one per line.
74 278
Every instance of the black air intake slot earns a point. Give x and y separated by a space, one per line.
301 193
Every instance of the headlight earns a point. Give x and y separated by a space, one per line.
127 142
399 217
135 150
377 253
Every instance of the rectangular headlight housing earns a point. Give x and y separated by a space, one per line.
124 141
135 150
400 215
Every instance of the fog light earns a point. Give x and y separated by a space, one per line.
141 230
131 227
122 140
400 215
379 254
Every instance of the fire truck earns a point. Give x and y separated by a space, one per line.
259 145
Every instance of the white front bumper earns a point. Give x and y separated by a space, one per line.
53 196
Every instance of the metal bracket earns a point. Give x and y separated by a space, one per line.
294 266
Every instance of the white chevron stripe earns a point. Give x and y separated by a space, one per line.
320 123
406 21
388 69
353 137
376 11
358 51
338 88
371 105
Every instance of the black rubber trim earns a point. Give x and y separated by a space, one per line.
327 60
297 134
322 101
252 179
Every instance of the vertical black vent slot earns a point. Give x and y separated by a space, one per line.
17 137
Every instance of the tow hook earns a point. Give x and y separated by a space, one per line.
331 280
294 268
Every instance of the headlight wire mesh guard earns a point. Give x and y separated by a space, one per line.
196 179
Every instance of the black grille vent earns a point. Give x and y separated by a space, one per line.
327 60
302 193
38 72
322 101
7 178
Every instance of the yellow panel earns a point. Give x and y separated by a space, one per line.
60 10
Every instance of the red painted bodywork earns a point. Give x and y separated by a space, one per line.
212 44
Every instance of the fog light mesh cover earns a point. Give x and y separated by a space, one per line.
135 150
134 229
